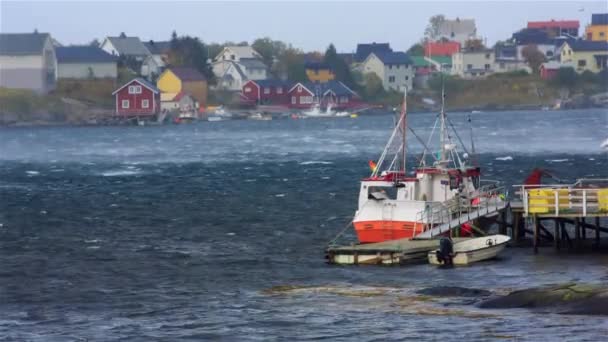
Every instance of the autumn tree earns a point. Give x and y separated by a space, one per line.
269 49
416 50
189 51
290 65
434 25
533 56
373 86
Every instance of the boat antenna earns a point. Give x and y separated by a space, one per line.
442 135
473 154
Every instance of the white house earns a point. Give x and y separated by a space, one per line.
395 69
83 62
473 64
125 46
28 61
459 30
235 53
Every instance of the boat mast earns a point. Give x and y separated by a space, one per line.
442 135
404 130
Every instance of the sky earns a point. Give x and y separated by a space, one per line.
308 25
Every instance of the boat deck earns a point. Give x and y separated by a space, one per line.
394 252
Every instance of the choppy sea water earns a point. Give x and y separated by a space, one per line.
216 231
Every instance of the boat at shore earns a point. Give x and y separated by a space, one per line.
397 204
472 250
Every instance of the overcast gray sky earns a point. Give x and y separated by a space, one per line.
306 24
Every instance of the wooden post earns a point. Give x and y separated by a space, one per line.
577 232
536 229
556 234
516 218
597 231
503 222
583 228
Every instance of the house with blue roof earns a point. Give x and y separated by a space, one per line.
395 69
266 92
85 62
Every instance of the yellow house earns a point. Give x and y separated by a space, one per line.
319 72
585 55
183 80
598 30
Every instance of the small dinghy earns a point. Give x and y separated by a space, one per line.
469 251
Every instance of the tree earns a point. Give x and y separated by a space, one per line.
95 43
290 65
339 66
565 77
373 86
269 49
434 25
189 51
416 50
474 45
533 57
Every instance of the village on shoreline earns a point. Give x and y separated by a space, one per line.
546 65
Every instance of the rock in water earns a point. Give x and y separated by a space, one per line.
566 299
453 291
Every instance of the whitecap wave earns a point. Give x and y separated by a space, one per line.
314 162
117 173
32 173
557 160
504 158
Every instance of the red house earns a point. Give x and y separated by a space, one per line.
305 94
137 97
441 48
266 92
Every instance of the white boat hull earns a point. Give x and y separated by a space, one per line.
474 250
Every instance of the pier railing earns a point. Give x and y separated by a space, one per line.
586 197
439 217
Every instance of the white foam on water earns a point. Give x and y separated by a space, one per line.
32 173
117 173
505 158
557 160
280 195
315 162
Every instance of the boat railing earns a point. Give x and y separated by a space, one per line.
583 198
460 209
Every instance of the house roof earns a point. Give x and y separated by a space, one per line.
187 74
443 60
129 46
441 48
252 63
564 24
157 48
599 19
457 26
587 45
337 87
419 61
83 54
272 83
141 81
364 50
22 44
393 58
242 51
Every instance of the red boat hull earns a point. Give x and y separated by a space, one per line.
380 231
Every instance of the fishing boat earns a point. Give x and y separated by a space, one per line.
316 112
443 190
259 117
473 250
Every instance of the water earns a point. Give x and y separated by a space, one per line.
216 231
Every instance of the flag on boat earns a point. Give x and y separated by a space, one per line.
372 165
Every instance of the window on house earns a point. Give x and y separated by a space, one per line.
125 104
293 100
549 53
279 90
487 66
134 89
582 62
267 90
233 57
502 65
299 88
407 77
487 56
390 66
469 66
145 103
602 34
398 66
452 34
247 89
391 79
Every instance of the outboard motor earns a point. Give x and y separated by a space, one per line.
446 251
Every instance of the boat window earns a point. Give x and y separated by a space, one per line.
382 192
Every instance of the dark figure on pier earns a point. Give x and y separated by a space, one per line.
445 252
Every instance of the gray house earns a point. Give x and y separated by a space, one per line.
84 62
125 46
27 61
393 68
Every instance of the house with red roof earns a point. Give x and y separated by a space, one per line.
137 98
557 27
441 48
